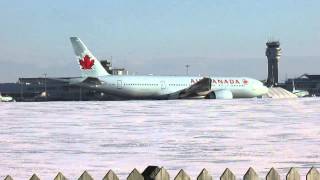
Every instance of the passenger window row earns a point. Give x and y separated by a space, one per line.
135 84
178 84
232 85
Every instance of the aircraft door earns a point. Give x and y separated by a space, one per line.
119 84
163 85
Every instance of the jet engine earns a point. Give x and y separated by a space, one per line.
220 94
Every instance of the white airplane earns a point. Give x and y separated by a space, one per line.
299 93
160 87
6 98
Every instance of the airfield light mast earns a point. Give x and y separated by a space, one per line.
187 68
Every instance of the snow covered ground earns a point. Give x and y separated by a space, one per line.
71 137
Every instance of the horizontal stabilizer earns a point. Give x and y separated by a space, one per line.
91 81
80 81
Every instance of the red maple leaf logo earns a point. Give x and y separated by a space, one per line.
245 82
86 62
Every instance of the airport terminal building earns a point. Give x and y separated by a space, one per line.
307 82
47 89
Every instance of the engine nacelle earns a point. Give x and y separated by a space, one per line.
220 94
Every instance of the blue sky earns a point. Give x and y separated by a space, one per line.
215 37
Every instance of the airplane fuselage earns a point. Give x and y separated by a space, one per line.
159 87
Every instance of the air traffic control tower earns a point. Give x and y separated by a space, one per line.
273 53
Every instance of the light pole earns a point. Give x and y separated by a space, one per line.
21 89
187 66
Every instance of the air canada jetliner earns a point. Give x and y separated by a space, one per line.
95 76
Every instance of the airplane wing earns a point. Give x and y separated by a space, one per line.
200 88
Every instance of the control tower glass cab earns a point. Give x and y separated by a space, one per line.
273 53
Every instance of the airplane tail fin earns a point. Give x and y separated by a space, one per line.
89 65
293 86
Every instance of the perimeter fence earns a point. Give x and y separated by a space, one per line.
157 173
